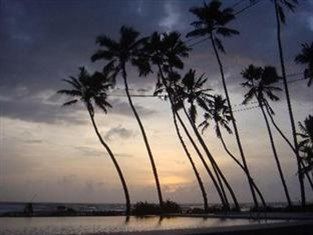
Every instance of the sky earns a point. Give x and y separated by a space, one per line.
53 152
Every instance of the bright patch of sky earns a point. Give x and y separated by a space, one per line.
172 17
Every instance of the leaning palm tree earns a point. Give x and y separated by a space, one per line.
306 143
271 113
91 90
218 112
306 132
194 93
166 54
306 57
118 54
281 19
212 23
260 82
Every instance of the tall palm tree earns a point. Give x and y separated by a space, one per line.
212 22
118 53
281 19
218 111
260 82
270 113
306 143
193 91
166 54
306 57
200 182
91 90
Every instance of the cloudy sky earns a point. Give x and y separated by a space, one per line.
52 151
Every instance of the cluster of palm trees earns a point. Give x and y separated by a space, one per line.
163 54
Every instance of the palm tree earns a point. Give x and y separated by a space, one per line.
306 57
118 54
306 143
218 111
281 19
192 90
194 93
270 113
260 82
165 53
200 182
211 22
91 90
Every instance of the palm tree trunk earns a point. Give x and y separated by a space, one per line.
293 127
176 114
155 173
119 171
225 205
282 178
242 167
289 143
256 204
214 164
204 195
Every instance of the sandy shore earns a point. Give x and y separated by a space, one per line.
255 215
288 228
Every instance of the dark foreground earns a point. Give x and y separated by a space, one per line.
285 228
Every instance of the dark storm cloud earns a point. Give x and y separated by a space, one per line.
35 111
43 42
46 107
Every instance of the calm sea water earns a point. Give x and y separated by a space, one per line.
90 225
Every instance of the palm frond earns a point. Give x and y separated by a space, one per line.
74 93
226 32
70 102
102 54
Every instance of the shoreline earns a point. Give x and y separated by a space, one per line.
298 216
290 228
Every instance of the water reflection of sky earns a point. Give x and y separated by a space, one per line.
89 225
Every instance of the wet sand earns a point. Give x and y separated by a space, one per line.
288 228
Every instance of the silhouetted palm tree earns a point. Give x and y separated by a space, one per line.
281 19
270 113
306 133
118 54
306 143
212 21
91 90
204 195
157 53
306 57
260 82
192 90
218 111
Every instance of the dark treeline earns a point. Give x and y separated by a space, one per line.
163 55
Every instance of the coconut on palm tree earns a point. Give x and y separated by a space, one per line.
306 58
281 19
127 50
261 84
218 112
91 90
212 22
